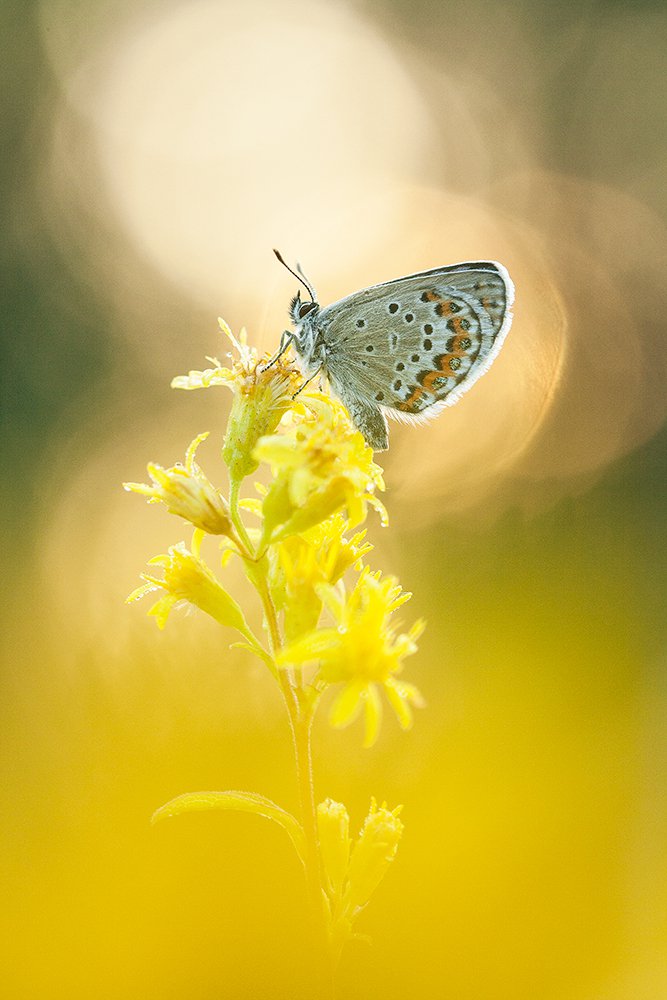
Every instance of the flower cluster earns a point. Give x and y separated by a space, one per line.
261 396
320 465
323 482
362 652
329 621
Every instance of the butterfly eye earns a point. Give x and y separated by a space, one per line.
305 309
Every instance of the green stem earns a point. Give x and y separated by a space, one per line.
301 732
301 725
300 715
235 515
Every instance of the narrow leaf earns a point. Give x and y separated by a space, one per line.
258 651
239 802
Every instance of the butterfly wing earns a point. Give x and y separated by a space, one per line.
414 345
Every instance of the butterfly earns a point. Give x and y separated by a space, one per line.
405 348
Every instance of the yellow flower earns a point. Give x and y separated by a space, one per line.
321 555
335 553
231 377
321 464
187 579
261 396
364 653
186 491
352 872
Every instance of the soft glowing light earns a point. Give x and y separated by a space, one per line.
223 129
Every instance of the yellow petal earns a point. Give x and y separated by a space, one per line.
372 715
253 505
317 508
226 556
201 380
136 595
198 536
400 705
347 705
161 560
333 598
160 610
379 507
192 448
411 693
139 488
278 449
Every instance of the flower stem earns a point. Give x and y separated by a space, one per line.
301 726
300 715
237 521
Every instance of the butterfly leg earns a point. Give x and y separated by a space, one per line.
286 339
307 382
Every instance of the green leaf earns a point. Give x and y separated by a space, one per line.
258 651
239 802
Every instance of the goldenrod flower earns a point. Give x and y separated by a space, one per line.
261 396
219 375
187 579
321 464
321 555
323 481
186 491
335 552
363 653
352 872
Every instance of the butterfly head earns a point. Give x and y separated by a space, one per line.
299 310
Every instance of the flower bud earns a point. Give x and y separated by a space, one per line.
333 825
372 854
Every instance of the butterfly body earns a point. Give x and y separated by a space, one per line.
406 347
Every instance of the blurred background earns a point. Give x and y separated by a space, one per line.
154 153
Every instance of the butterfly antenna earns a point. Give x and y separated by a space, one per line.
298 274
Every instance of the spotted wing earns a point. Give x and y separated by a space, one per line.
414 345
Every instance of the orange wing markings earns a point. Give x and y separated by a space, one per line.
449 309
434 381
459 345
450 363
418 400
447 365
459 325
443 307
